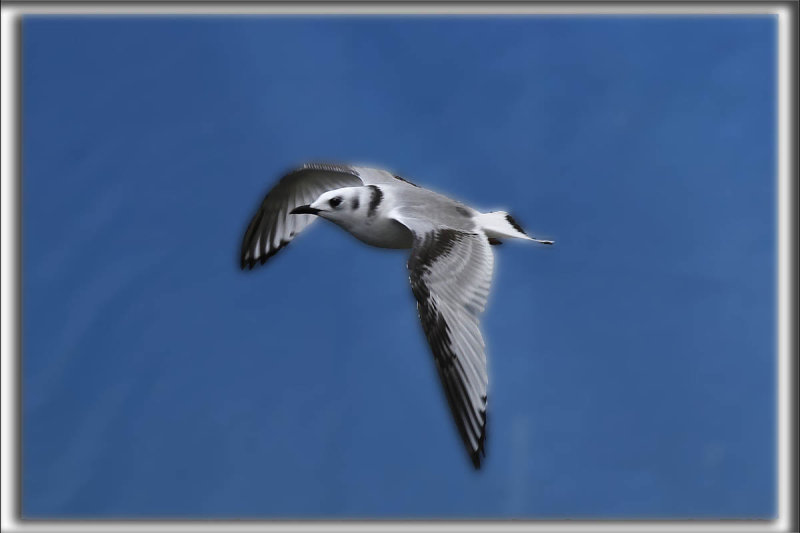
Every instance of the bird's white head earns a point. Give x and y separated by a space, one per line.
343 206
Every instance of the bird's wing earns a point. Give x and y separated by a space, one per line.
450 273
273 227
376 176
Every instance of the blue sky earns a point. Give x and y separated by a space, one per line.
632 365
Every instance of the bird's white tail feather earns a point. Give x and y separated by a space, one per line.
501 225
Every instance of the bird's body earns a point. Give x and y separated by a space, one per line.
450 266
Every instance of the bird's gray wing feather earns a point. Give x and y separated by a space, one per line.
450 272
273 227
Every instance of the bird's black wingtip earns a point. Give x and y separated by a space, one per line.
477 457
476 460
249 263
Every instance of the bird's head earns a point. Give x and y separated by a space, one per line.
339 205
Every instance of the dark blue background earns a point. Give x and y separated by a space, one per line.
632 364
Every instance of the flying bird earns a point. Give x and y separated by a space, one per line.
450 265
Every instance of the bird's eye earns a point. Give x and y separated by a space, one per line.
335 201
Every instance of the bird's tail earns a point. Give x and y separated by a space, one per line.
500 225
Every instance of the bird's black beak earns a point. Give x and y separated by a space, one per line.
304 210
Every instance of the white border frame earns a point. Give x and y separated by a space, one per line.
10 332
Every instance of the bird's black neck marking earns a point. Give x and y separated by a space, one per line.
374 200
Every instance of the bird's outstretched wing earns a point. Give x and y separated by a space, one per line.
273 227
450 273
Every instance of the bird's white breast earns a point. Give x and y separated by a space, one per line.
381 231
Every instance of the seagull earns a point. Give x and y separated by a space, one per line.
450 264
